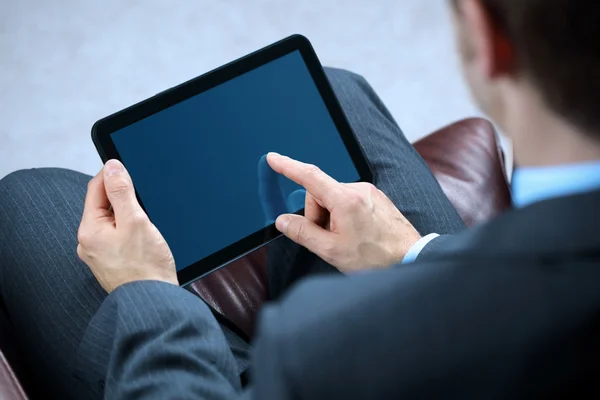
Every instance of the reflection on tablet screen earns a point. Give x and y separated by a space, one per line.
199 165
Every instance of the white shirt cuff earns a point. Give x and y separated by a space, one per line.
416 248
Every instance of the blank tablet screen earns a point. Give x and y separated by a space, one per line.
198 166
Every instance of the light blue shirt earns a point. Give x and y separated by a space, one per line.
534 184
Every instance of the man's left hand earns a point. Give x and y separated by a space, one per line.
116 238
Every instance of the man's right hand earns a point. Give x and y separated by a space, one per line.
351 226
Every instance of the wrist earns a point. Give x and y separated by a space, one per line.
407 244
160 278
417 247
149 278
403 246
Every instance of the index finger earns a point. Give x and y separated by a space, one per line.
320 185
96 202
270 194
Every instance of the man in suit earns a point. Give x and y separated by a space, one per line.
509 309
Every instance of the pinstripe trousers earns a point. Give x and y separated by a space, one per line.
50 295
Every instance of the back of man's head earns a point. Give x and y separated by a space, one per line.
555 45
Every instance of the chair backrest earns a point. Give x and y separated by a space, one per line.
468 163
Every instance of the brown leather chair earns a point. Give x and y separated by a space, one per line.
466 161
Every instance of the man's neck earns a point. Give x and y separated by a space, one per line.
542 138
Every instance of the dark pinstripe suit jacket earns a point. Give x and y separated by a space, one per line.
507 310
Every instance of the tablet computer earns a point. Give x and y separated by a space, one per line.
196 152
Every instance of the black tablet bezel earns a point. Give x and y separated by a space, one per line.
103 128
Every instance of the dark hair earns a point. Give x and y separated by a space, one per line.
557 44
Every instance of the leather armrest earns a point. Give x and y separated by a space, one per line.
238 290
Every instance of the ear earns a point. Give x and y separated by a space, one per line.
493 53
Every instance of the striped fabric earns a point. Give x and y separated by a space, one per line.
52 297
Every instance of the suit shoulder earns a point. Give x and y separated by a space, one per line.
413 321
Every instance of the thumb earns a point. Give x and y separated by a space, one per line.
120 191
306 233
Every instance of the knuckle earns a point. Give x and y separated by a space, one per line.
138 219
355 200
366 187
83 237
312 170
298 231
80 252
371 188
119 186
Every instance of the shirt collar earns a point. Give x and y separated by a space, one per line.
534 184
